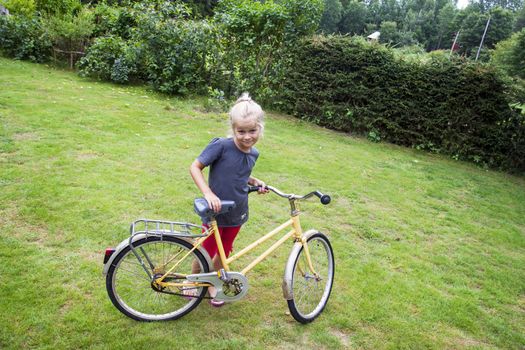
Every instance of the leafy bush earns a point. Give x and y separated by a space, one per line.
454 107
24 38
216 101
154 42
58 7
109 58
20 7
70 32
174 51
111 20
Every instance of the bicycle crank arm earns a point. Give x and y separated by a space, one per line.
233 288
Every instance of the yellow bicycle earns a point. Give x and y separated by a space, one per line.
148 275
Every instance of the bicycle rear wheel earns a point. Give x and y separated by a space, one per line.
311 292
131 290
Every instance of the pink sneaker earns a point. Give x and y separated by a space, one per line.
216 303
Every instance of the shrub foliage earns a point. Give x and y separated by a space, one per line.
24 38
447 106
109 58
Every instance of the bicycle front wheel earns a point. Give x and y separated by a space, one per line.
129 279
311 289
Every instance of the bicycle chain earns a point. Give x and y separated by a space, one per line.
183 295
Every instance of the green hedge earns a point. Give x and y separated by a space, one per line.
446 106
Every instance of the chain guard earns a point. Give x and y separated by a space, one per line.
233 289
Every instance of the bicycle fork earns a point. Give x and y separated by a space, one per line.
299 237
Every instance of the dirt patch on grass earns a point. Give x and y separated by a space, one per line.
87 155
458 339
520 307
300 344
469 343
11 221
65 308
343 337
26 136
91 256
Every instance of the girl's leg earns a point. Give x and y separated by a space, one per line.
228 235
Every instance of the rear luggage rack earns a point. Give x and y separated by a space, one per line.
163 227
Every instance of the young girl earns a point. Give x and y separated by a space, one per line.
231 161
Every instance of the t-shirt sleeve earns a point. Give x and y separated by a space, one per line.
211 153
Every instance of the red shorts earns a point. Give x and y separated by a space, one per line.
227 234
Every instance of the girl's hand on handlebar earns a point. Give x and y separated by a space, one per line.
258 183
262 187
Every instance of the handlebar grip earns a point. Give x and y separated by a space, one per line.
253 189
325 199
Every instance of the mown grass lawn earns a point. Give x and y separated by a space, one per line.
430 252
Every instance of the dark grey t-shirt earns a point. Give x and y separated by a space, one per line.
230 170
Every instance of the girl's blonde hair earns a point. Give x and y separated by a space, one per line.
245 108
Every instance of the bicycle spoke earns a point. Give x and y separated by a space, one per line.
142 274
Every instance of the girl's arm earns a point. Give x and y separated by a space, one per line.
196 174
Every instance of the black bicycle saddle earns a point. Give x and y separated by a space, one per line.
206 213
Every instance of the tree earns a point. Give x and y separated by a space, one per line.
390 10
501 25
428 23
509 55
389 32
520 19
354 18
473 23
256 42
332 14
373 17
512 5
446 26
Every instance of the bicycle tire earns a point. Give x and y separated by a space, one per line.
129 286
310 294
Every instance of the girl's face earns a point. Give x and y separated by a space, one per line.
246 133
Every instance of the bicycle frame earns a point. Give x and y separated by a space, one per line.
296 233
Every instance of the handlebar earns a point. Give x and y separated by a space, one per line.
324 198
